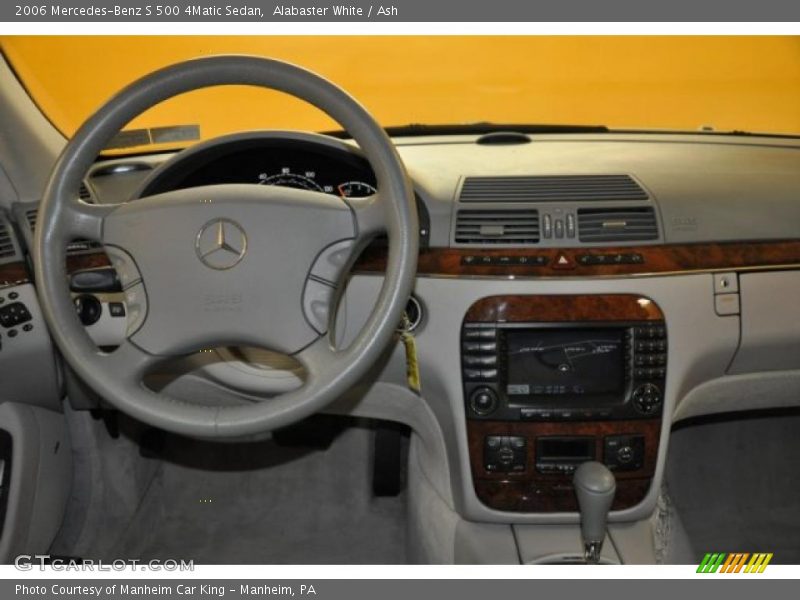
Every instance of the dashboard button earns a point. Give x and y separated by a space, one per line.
725 283
494 441
547 226
478 333
488 360
634 258
563 262
570 225
489 374
472 374
479 346
726 304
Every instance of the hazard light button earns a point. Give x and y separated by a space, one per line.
563 261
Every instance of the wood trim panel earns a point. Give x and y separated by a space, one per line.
558 308
90 260
670 258
531 491
13 274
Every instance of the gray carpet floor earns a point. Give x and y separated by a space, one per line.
265 504
736 485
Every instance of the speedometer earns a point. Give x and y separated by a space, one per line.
293 180
355 189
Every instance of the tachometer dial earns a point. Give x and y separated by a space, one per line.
355 189
293 180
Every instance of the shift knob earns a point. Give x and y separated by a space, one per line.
594 487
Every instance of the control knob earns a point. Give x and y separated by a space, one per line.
647 398
483 401
89 309
624 455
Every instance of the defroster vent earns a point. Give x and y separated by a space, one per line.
551 188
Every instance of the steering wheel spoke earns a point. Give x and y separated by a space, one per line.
318 358
85 221
129 362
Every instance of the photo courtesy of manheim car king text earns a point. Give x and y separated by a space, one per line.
335 302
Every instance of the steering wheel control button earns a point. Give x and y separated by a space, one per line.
221 244
505 454
13 314
647 398
332 261
124 266
89 309
99 280
623 452
116 309
317 300
136 303
483 401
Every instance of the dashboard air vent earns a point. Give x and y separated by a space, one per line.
76 246
551 188
84 194
501 226
7 249
617 224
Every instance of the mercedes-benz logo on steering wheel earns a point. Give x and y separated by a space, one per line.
221 244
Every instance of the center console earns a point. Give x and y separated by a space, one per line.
551 382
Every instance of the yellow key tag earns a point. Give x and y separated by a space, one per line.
412 364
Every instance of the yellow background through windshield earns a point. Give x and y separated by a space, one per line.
745 83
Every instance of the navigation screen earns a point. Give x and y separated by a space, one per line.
569 363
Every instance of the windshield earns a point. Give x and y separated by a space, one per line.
684 83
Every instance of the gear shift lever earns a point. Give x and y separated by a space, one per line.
595 487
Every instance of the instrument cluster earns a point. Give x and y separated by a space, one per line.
269 160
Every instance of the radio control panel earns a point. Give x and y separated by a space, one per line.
571 371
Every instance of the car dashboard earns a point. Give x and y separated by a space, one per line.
576 295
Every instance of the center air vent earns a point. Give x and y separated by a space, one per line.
551 188
7 248
501 226
633 224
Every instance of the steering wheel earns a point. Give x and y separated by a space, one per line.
227 264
